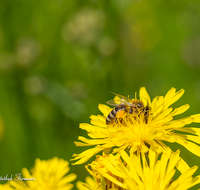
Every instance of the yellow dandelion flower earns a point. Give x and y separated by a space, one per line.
90 184
139 173
150 125
46 175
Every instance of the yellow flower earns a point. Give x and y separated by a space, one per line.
156 174
102 171
140 173
46 175
90 184
138 133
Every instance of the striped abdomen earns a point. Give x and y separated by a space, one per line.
112 115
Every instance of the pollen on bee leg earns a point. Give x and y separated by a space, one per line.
120 114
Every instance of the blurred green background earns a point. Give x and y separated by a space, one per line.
60 58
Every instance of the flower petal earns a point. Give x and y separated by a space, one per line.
172 96
86 155
144 96
104 109
192 147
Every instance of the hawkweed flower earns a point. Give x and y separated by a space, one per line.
46 174
137 132
90 184
141 172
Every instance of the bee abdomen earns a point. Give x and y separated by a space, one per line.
112 115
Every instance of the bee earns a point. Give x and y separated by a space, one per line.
126 105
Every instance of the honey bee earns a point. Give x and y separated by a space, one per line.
126 105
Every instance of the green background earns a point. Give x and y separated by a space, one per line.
60 58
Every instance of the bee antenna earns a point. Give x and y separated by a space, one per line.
112 92
115 93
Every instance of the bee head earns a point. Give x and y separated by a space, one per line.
138 104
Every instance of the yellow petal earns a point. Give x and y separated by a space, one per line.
112 179
192 147
187 130
157 105
181 122
181 109
168 178
90 141
67 179
86 155
173 161
104 109
167 112
93 131
144 96
196 118
193 138
88 127
172 96
197 130
182 166
164 160
152 158
188 173
196 180
112 167
98 120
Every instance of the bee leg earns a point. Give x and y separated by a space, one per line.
130 111
146 114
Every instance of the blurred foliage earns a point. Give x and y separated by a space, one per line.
60 58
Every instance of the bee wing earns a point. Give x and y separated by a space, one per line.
123 98
119 99
112 103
